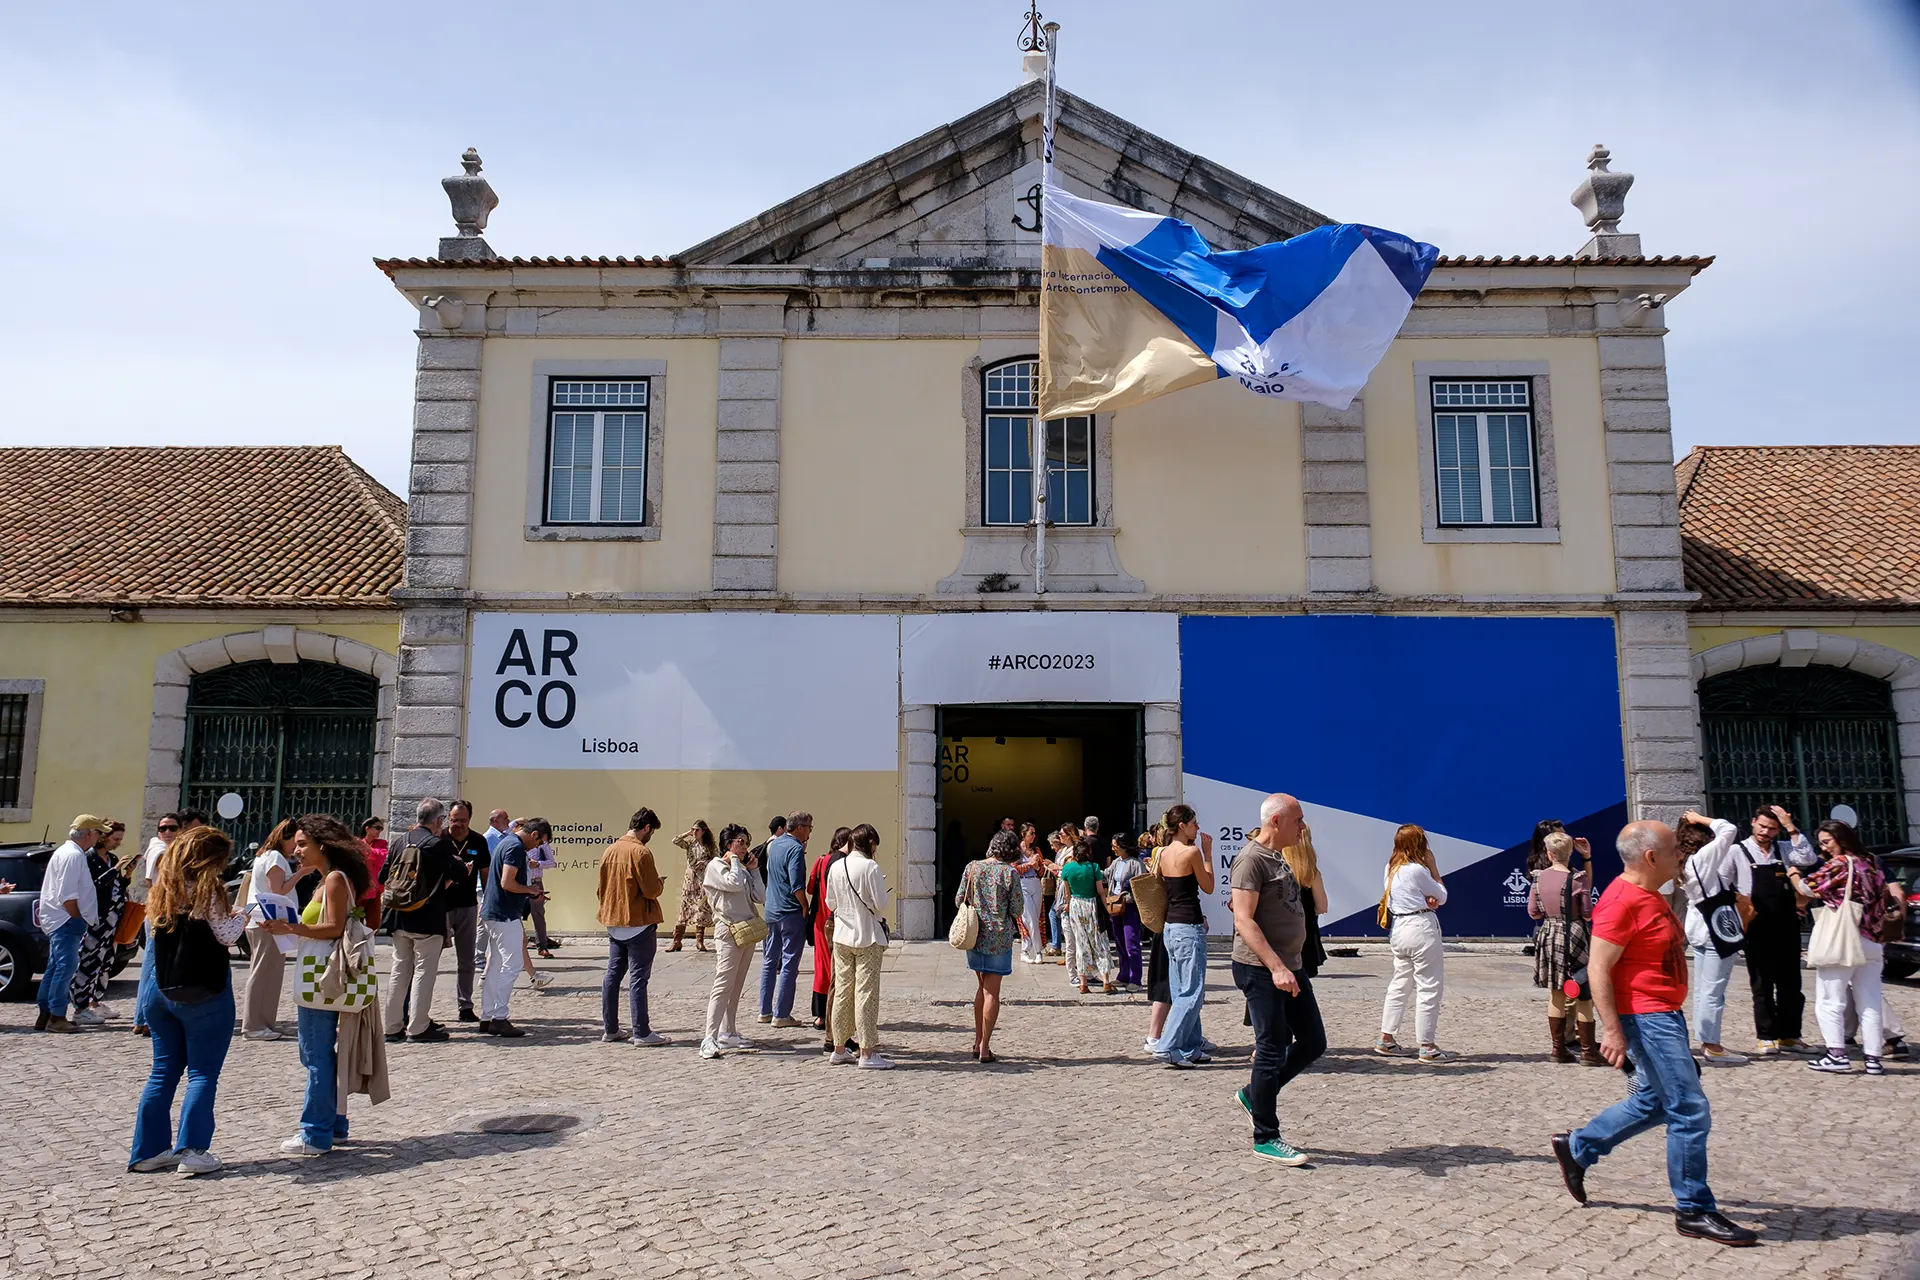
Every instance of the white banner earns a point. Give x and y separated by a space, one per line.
695 691
1039 657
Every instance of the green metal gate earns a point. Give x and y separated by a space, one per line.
1807 738
288 738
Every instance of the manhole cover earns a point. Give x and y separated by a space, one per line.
532 1122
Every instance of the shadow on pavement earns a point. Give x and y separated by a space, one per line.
1433 1160
361 1159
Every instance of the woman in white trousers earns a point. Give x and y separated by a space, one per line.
1032 878
734 887
1713 866
1849 874
1413 895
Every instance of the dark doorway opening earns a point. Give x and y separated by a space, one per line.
1040 762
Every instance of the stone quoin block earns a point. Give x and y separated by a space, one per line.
436 540
1648 575
432 573
433 659
746 446
413 751
750 384
745 539
747 477
448 353
743 573
749 353
746 508
445 384
430 691
443 446
422 626
749 415
427 721
441 417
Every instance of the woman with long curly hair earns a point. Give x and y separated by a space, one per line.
188 996
1407 909
323 844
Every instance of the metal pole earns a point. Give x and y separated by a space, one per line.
1052 30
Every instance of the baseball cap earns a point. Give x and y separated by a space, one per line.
88 822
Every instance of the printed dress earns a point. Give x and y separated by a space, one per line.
97 948
695 911
993 889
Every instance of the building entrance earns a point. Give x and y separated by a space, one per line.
1040 763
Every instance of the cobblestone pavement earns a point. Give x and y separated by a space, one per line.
1073 1157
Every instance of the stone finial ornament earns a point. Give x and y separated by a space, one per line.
1601 197
472 199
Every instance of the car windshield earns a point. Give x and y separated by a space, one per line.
25 873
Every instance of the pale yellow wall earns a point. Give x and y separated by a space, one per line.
872 464
503 559
1904 639
1206 491
1580 563
98 706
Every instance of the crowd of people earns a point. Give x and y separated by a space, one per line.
1117 913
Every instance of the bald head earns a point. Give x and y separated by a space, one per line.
1648 853
1280 820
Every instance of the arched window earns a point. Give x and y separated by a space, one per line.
1011 398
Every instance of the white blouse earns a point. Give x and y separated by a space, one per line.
1411 886
858 897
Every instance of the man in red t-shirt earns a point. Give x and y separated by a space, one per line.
1637 970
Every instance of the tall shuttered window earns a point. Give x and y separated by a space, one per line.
597 451
1011 399
13 747
1485 467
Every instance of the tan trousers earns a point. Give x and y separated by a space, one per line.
416 963
856 994
729 979
1557 1003
265 970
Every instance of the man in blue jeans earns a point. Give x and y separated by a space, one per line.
1637 970
68 904
786 920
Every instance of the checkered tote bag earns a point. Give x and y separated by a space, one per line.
338 976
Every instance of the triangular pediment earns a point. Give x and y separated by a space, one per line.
964 195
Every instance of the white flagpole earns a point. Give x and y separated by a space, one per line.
1052 30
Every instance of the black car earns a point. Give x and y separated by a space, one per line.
1903 868
23 947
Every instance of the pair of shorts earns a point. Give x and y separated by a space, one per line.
1000 962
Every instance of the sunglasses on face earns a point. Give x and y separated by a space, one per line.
167 828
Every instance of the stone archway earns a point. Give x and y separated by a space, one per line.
1800 647
174 672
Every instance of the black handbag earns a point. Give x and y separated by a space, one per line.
1724 928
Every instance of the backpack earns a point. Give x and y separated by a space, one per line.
404 891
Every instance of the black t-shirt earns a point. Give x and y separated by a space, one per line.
464 890
440 865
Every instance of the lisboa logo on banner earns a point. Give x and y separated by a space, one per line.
1516 885
555 703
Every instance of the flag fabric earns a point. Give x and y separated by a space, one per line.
1134 305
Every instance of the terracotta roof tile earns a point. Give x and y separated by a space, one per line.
253 525
1801 526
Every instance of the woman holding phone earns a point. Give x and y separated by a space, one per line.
734 887
271 876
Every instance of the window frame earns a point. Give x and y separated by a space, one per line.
540 527
986 472
1484 465
21 810
1545 527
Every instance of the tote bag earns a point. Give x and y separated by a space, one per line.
338 976
1150 897
965 930
1836 933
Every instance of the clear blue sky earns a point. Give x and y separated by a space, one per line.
193 193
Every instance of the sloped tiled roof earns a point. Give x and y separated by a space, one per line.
194 527
1801 526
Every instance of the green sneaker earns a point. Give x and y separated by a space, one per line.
1280 1153
1240 1096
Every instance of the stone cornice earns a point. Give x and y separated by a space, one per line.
1023 602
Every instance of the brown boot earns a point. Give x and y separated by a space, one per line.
678 934
1589 1046
1558 1028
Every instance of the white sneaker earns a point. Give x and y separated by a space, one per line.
737 1042
1724 1058
194 1163
651 1040
876 1063
264 1033
156 1164
89 1017
299 1146
840 1057
709 1050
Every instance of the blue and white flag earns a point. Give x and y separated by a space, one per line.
1134 305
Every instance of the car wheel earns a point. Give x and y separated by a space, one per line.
1896 969
16 969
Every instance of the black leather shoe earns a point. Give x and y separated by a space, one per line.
1572 1172
1714 1227
432 1035
485 1028
501 1027
40 1023
468 1015
395 1037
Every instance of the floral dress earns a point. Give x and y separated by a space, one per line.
993 889
1869 890
695 911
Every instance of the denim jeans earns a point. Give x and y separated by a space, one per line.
1055 938
142 996
626 955
1710 973
1287 1036
320 1119
189 1039
63 961
780 963
1667 1092
1186 946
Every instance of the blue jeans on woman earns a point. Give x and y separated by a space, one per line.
189 1039
1186 946
1710 973
320 1120
1666 1090
1055 938
63 961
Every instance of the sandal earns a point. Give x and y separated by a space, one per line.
1110 990
1083 990
988 1056
1389 1048
819 1024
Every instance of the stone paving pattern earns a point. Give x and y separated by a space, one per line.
1073 1157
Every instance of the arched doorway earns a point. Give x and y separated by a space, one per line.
289 738
1807 737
